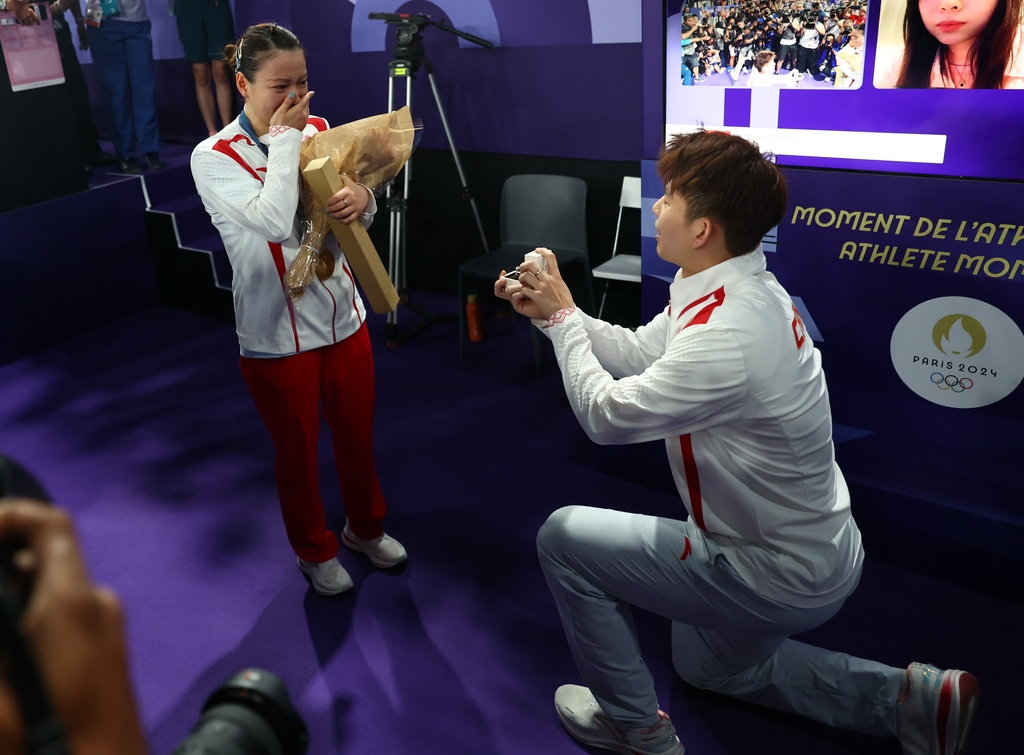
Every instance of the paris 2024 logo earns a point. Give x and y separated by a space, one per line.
958 352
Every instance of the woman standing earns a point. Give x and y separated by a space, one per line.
296 355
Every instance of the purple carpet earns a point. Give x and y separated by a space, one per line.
145 431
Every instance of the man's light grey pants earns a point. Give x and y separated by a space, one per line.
725 637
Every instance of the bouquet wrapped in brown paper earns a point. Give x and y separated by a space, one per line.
370 151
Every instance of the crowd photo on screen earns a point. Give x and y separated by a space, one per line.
786 43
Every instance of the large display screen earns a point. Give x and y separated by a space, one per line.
934 87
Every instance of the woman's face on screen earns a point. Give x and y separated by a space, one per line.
955 22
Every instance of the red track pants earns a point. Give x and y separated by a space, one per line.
288 392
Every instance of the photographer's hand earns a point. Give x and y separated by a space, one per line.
77 635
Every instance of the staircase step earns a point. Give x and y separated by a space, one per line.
169 184
218 258
193 223
178 204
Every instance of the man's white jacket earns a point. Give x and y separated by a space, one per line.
728 376
253 200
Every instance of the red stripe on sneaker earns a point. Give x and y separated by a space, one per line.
942 712
278 255
692 480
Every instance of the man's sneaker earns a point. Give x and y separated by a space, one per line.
583 718
936 715
153 161
130 166
328 578
383 552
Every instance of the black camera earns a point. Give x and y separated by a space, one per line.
249 714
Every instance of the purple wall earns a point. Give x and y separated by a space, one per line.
563 80
546 89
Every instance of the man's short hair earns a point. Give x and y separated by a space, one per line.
762 59
728 179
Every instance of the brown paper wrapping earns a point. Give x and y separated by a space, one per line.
370 151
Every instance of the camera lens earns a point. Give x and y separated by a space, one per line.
250 714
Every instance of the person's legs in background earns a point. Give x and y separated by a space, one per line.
88 136
205 27
219 27
204 95
139 55
108 54
224 85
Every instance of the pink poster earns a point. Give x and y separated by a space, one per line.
30 52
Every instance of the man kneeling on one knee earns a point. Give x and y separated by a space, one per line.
728 377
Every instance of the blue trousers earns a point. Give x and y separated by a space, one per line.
122 52
725 636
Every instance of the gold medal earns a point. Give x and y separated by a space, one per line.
325 264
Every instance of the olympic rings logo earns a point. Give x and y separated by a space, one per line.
951 382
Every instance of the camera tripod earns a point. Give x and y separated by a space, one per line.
409 57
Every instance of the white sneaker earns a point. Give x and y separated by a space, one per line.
383 552
583 718
328 578
935 718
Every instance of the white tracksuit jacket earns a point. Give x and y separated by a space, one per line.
728 376
252 199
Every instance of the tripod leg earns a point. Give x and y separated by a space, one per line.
458 163
391 324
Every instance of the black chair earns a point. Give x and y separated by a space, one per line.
536 210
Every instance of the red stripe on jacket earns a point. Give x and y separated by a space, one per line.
701 318
278 255
334 314
354 294
318 123
224 147
717 298
692 480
